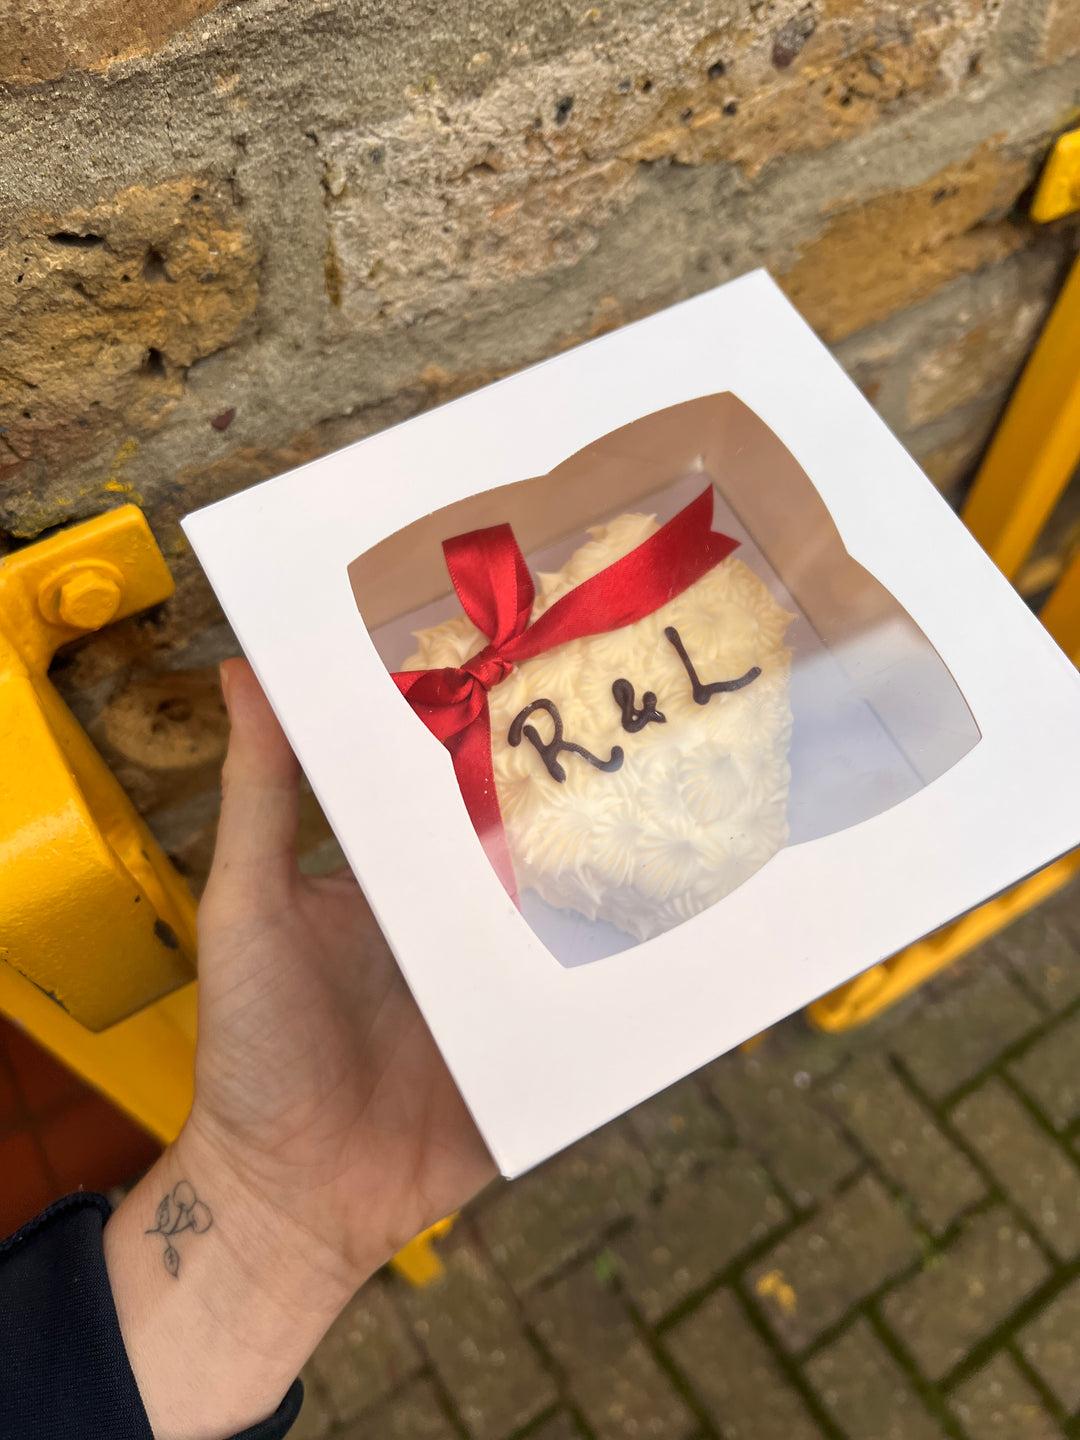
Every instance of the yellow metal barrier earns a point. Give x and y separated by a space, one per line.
98 928
98 943
1027 467
93 913
418 1263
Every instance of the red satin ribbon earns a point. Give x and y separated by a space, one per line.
496 592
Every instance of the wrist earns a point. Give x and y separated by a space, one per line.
277 1205
221 1297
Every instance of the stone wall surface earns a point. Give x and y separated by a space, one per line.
236 235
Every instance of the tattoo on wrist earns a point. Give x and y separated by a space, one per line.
182 1210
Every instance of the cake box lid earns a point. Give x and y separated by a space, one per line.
542 1052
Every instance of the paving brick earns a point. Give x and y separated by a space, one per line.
774 1117
905 1140
316 1417
559 1427
856 1241
680 1129
612 1376
365 1353
1049 1073
1038 1175
415 1413
552 1214
467 1321
866 1392
802 1053
696 1230
735 1375
1064 907
952 1038
1042 948
997 1403
1051 1346
965 1292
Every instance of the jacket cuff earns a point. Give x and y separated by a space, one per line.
66 1371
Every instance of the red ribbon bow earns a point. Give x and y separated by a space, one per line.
496 592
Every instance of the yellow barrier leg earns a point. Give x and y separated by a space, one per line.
883 985
1061 613
144 1064
1030 461
417 1262
1034 452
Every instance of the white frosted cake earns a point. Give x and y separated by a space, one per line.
678 799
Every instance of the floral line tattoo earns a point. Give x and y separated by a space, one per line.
182 1210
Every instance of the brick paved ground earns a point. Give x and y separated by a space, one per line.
864 1237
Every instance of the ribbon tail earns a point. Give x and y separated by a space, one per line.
671 560
470 750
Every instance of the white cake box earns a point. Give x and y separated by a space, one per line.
886 735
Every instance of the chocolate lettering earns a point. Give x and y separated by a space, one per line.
635 720
704 693
549 750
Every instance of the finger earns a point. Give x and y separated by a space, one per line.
260 783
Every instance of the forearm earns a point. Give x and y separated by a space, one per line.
220 1299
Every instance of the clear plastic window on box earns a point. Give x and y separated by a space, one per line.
643 772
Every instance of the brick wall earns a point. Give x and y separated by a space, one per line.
238 235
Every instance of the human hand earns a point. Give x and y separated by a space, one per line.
315 1075
325 1132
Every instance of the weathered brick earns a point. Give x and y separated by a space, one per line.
814 87
365 1353
1061 38
983 360
997 1403
567 168
1043 949
169 271
612 1376
867 1393
966 1291
1051 1346
174 722
414 1413
955 1036
949 449
1037 1174
679 1129
558 1210
736 1377
904 1138
696 1230
774 1118
856 1241
39 43
919 237
467 1322
1049 1073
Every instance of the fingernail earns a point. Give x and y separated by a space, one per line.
223 677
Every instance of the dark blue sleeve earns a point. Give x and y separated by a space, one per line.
64 1371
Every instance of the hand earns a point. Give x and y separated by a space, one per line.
325 1132
315 1075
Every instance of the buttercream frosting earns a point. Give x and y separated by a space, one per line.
700 800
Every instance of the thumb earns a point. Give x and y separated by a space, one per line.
260 784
